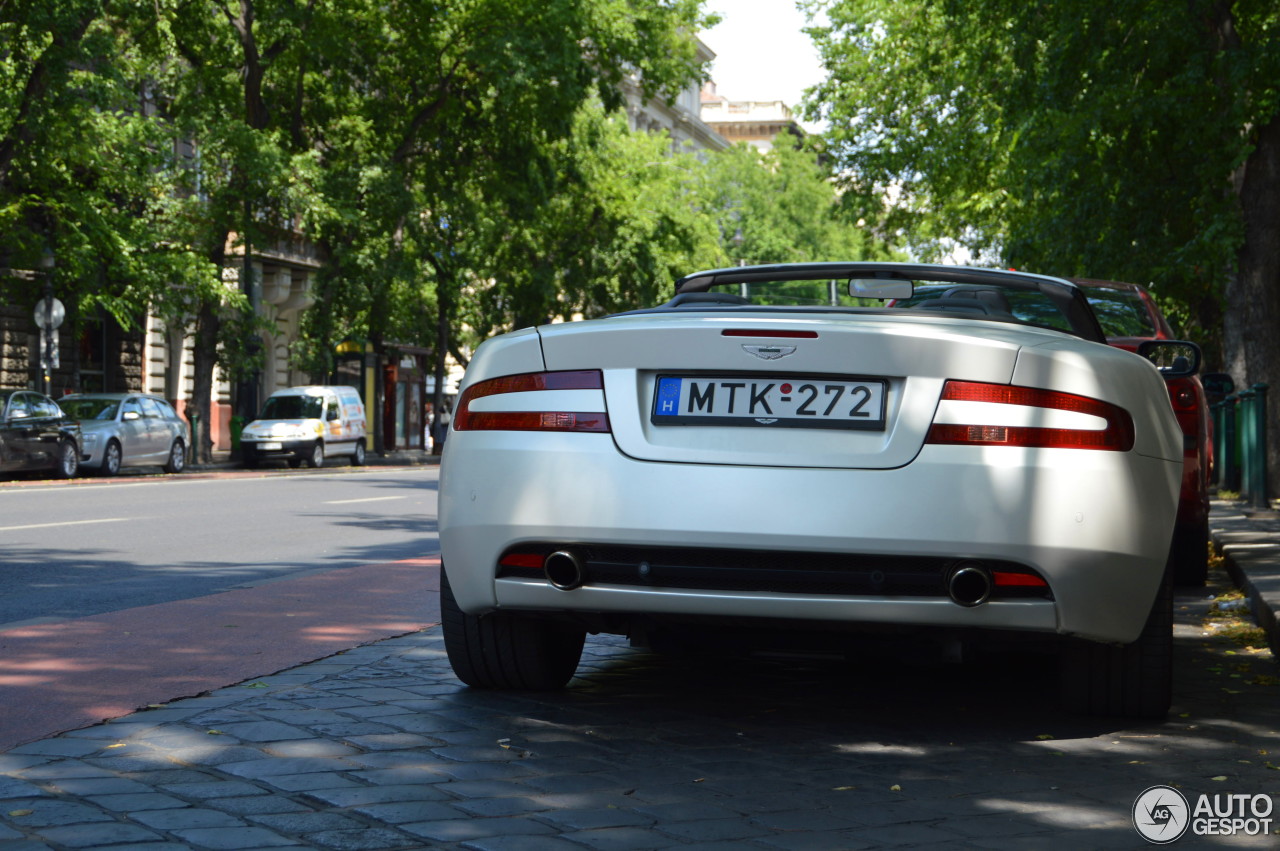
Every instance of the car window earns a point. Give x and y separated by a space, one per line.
45 408
293 408
150 409
1121 314
19 406
332 411
166 410
1029 306
131 406
90 408
987 301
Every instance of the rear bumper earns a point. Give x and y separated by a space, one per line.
275 450
1095 525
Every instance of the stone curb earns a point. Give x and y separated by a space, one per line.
1250 545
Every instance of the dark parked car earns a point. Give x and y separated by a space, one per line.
35 434
128 430
1129 315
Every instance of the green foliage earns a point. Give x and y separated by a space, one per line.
84 168
780 207
1073 137
461 164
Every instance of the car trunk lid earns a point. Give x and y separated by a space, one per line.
871 383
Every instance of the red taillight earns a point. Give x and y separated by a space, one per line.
1116 435
1009 579
589 379
1182 393
762 332
522 560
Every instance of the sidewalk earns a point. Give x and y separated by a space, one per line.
1251 548
380 747
222 460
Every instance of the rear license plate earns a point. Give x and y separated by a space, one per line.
777 401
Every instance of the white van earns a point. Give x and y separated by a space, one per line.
304 425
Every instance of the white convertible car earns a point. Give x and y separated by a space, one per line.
818 450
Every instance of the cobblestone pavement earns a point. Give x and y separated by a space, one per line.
380 747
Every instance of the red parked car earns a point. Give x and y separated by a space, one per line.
1129 316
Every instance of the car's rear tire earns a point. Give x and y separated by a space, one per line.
316 460
111 459
1132 680
177 458
1189 555
357 454
68 460
503 650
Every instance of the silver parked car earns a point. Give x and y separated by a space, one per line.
128 430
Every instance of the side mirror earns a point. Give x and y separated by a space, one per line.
883 288
129 416
1174 358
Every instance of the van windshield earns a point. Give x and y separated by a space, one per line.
293 408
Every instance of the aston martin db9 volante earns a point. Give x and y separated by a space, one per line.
808 451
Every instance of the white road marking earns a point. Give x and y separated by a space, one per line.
366 499
67 523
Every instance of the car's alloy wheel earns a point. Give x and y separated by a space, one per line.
68 460
111 459
502 650
317 456
1132 680
177 458
357 457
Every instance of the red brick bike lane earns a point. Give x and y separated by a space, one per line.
69 674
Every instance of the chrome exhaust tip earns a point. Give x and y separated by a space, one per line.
563 570
969 584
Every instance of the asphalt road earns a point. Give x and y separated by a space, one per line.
381 747
70 550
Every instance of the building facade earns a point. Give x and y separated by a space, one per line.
757 123
681 120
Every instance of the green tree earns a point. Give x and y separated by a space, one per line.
622 221
86 172
240 95
780 206
448 133
1129 140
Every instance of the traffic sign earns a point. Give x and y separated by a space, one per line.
50 310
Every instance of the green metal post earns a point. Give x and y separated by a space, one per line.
1218 414
1246 422
195 435
1229 457
1259 498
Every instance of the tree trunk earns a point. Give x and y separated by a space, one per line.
204 355
445 309
1251 329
